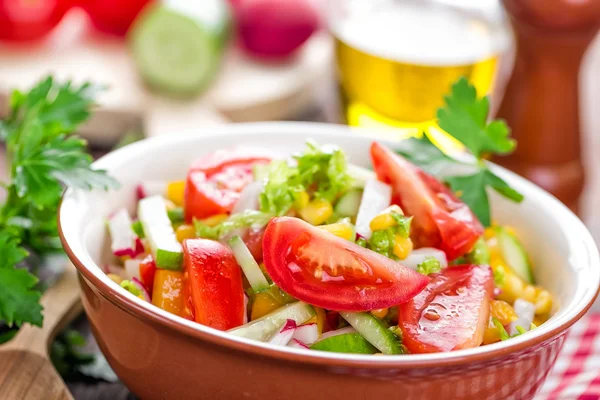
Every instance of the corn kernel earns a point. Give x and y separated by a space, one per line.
513 288
402 246
384 219
543 302
320 319
169 204
263 304
317 212
380 313
175 191
503 312
302 200
115 278
340 229
185 232
214 220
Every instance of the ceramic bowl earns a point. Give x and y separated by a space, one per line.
161 356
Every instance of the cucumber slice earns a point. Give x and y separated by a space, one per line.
175 215
138 229
255 276
360 175
177 45
514 254
348 204
374 331
346 343
263 328
166 250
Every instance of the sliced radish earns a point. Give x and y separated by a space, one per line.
417 256
132 268
297 344
151 188
337 332
248 198
376 197
307 334
285 334
526 312
138 284
122 237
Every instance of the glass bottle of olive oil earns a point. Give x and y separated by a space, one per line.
397 58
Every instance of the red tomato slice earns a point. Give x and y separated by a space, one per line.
215 181
253 239
24 20
113 16
147 272
214 282
441 220
324 270
451 313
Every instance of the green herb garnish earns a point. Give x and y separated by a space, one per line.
464 116
43 156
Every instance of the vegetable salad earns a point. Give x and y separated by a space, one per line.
314 253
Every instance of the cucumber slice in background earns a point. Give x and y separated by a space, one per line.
346 343
177 45
373 330
244 258
264 327
514 254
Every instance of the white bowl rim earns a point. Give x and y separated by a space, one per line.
142 309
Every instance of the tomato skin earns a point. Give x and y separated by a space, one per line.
368 280
113 16
441 220
27 20
432 329
214 282
253 239
214 182
147 272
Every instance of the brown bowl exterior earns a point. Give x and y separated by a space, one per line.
157 362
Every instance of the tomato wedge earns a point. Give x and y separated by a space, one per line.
215 181
27 20
451 313
441 220
324 270
214 282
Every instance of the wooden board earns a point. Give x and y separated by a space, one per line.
246 90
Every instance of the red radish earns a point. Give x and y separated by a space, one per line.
132 268
123 238
138 284
297 344
307 334
285 334
275 28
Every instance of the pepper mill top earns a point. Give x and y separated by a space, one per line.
541 101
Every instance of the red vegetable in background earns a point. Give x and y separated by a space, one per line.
214 282
441 220
215 181
25 20
147 272
451 313
113 16
275 28
324 270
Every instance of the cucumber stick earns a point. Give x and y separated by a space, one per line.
263 328
348 204
346 343
374 331
514 254
166 250
177 45
255 276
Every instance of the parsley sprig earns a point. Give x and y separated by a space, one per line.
43 156
465 117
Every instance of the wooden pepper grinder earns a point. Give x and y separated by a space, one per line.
541 102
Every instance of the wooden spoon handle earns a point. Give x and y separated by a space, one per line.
26 371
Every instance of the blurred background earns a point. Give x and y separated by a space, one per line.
172 67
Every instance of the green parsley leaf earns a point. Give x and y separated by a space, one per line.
247 219
499 276
403 224
382 242
471 190
430 265
464 116
479 254
503 334
422 152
